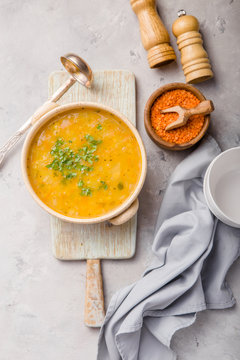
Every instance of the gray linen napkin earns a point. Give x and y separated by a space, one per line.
193 254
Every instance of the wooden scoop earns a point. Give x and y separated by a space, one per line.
203 108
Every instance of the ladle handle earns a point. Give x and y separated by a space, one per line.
203 108
13 140
63 89
47 106
94 300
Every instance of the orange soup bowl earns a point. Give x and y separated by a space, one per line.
127 207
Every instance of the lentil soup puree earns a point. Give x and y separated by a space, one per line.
84 163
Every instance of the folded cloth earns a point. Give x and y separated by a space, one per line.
193 252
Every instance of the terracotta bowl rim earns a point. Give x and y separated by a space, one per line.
48 117
147 122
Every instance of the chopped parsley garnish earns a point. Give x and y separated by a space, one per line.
71 163
103 185
86 192
70 175
80 183
91 140
120 186
99 127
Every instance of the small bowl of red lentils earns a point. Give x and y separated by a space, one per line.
184 95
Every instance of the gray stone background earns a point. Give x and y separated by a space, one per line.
41 302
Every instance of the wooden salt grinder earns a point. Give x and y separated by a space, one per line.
195 62
154 35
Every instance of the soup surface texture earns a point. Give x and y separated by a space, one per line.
84 163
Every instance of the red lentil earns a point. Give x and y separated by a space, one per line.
159 121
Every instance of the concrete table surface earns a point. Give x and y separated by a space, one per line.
42 299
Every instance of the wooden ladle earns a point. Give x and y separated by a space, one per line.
203 108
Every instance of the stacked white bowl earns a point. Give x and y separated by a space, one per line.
222 187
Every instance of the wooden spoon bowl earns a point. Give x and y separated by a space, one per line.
147 117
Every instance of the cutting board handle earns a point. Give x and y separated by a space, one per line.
94 300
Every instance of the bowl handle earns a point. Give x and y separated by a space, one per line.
126 215
42 110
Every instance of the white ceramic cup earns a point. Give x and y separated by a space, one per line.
221 187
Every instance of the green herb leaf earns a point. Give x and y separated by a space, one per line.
103 185
120 186
99 127
65 160
86 192
70 175
59 142
80 183
91 140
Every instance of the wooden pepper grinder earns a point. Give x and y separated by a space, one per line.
155 37
195 62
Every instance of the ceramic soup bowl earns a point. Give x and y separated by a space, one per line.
117 215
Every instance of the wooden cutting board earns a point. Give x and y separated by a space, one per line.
115 88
